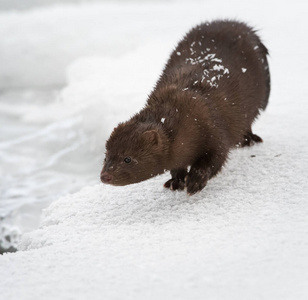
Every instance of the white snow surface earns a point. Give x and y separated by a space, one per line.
245 236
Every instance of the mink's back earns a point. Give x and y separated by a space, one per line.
224 63
234 43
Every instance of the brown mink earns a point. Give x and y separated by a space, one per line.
213 87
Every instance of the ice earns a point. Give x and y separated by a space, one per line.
9 238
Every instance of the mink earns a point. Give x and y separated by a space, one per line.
212 88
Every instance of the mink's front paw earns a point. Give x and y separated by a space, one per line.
175 184
196 180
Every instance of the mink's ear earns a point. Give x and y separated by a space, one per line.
152 137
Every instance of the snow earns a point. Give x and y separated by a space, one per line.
210 66
142 241
245 236
218 67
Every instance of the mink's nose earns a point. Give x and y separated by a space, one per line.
105 177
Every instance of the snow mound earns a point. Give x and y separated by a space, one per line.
245 234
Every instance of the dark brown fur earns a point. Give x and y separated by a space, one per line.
210 92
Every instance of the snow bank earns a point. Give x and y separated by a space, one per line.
243 237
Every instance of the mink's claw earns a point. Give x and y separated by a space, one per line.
174 184
196 180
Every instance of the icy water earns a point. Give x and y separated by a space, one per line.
41 158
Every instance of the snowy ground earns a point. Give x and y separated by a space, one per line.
244 237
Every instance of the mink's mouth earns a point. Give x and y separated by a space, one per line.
106 177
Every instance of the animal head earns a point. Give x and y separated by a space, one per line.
134 152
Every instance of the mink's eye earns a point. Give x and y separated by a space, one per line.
127 160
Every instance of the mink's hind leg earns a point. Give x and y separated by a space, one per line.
177 182
249 139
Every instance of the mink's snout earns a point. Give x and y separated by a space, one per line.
105 177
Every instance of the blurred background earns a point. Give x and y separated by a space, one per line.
26 4
64 68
